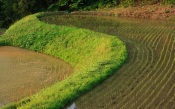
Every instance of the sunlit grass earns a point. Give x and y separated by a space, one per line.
94 56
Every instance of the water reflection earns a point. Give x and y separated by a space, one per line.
72 106
23 73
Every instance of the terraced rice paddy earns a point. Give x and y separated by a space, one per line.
147 80
23 73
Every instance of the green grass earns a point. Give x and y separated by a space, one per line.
94 56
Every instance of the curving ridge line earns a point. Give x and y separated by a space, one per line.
147 80
93 55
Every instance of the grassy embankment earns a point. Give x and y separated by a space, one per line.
94 56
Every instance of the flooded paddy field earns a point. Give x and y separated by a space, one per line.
147 80
23 73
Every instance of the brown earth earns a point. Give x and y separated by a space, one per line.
156 11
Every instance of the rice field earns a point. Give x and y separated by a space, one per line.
24 73
147 80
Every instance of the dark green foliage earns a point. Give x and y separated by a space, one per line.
12 10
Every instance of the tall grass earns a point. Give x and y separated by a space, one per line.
94 56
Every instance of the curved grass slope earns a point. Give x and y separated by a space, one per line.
94 56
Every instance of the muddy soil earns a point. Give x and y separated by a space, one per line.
23 73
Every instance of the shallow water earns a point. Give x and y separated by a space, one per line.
23 73
72 106
147 79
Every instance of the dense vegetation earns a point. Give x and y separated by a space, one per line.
11 10
94 56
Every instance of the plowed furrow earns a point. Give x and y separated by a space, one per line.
147 80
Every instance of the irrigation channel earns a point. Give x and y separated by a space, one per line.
147 80
23 73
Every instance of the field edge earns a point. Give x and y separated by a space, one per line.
101 56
